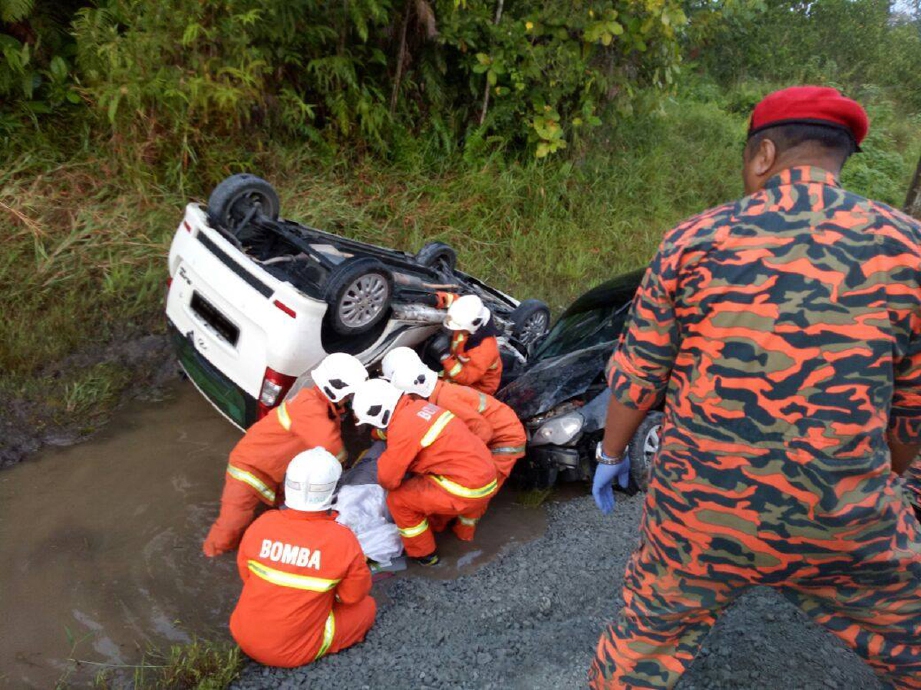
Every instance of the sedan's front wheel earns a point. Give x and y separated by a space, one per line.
644 446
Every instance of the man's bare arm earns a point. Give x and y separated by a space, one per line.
903 454
622 422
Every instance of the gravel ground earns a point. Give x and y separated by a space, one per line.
531 618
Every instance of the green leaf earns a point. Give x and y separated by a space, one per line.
113 107
543 149
58 68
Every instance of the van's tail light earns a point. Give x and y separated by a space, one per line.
275 387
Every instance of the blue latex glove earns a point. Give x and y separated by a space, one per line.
603 483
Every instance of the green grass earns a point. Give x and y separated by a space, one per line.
199 665
86 240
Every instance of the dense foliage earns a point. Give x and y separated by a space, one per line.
523 73
848 43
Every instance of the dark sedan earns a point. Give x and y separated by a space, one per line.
562 396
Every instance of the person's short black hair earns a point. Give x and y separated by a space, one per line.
835 140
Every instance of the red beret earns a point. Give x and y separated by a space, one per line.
810 105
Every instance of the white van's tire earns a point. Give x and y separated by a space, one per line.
241 196
358 293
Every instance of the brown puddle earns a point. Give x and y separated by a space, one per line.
100 544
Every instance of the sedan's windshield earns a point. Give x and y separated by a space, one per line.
583 329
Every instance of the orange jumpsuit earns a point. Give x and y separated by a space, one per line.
478 366
306 588
506 442
474 360
452 474
256 471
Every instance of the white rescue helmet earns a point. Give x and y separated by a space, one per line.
405 370
467 313
339 375
398 358
311 479
375 401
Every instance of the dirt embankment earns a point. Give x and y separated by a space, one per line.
39 414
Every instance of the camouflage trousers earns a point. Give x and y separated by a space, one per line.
670 607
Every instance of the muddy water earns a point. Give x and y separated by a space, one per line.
100 544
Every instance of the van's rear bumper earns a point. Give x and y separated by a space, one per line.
230 400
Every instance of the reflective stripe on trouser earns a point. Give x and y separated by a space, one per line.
414 501
463 491
329 632
465 527
253 481
504 458
875 609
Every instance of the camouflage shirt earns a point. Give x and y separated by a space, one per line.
784 332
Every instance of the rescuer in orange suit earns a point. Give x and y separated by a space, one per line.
451 473
506 438
471 356
306 584
257 463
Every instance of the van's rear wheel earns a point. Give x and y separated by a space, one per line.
358 293
241 198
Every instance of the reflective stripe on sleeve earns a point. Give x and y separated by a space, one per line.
455 370
508 450
483 403
463 491
329 631
410 532
283 579
283 417
470 522
494 365
436 429
252 480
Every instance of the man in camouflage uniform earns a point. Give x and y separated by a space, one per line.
784 333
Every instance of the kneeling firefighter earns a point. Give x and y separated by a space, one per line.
306 584
451 473
471 356
507 438
257 463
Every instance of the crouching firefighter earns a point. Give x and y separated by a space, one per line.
451 473
257 464
470 356
306 583
507 438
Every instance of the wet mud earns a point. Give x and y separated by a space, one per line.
100 544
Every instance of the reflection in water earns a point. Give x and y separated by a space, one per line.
100 544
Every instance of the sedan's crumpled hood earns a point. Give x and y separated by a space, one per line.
553 381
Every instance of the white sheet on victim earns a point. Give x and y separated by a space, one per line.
363 509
